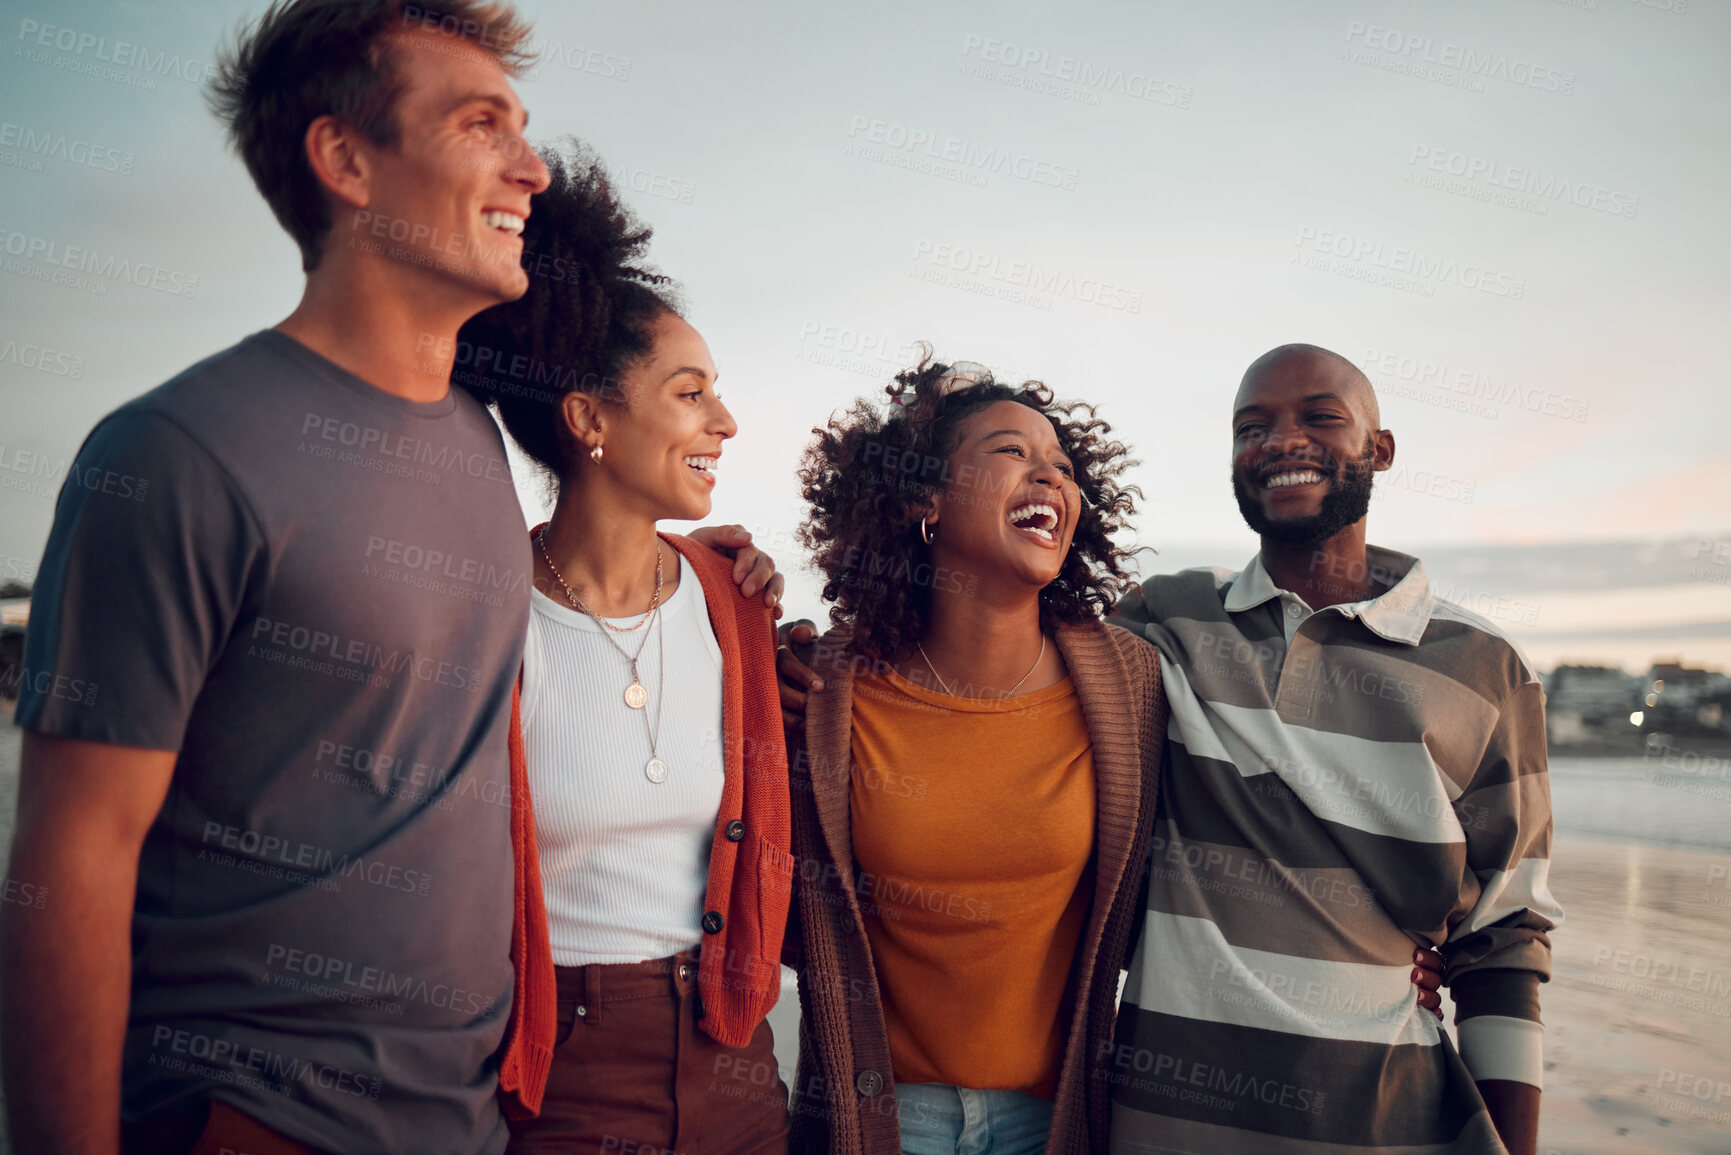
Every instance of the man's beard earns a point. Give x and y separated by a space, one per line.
1346 503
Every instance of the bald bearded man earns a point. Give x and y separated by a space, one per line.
1356 769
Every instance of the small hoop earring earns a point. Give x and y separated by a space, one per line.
925 534
595 454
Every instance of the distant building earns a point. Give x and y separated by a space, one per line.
14 616
1591 704
1686 699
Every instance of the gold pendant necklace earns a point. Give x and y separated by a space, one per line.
636 695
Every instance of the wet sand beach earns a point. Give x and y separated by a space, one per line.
1638 1011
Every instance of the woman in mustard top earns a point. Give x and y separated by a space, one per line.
972 804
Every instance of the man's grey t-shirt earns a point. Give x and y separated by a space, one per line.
317 592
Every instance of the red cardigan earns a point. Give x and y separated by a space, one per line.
750 861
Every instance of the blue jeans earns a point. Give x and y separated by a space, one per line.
938 1119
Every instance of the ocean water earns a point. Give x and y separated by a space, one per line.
1683 801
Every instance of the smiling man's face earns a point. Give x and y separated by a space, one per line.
447 201
1305 445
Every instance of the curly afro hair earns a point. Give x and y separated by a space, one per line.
586 318
872 472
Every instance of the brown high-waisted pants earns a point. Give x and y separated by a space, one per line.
633 1073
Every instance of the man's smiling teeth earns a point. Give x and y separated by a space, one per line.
1036 518
510 222
702 464
1297 477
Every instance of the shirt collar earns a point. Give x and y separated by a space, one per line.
1250 588
1399 615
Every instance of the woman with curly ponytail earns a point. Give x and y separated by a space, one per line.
977 783
653 873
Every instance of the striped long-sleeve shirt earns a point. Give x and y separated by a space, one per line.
1341 785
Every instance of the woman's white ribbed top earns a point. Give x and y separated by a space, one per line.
624 861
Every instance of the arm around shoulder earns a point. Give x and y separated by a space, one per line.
1146 692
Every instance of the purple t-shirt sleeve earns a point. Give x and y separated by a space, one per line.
147 568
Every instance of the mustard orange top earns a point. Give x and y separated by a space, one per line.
973 835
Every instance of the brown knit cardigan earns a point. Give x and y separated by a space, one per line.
844 1096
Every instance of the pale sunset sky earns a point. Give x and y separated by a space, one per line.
1509 213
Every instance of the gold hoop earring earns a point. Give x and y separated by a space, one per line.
925 534
595 454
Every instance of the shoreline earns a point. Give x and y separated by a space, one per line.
1707 746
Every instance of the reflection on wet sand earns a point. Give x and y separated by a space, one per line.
1638 1012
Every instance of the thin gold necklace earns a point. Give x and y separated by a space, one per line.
541 540
1008 693
636 695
